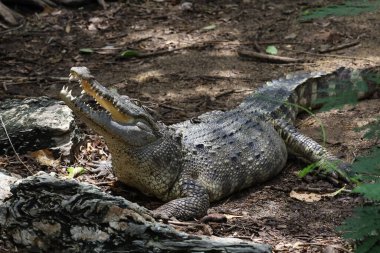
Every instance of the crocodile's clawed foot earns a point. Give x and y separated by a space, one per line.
336 172
101 168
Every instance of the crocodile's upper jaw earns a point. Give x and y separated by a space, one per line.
122 119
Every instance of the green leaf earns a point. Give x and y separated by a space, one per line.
130 53
208 28
367 245
86 50
75 171
307 170
363 224
368 166
370 191
271 50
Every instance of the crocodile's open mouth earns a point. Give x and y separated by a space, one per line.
101 97
112 115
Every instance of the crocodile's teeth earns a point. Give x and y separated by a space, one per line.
71 78
82 92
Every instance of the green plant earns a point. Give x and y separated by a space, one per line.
364 225
348 8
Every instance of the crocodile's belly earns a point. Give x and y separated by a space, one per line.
229 156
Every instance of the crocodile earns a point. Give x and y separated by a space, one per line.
195 162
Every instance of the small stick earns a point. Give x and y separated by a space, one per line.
34 78
106 183
227 92
244 90
14 150
181 223
330 55
267 57
171 107
162 52
339 47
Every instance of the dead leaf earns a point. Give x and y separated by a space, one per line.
290 36
45 157
306 197
313 197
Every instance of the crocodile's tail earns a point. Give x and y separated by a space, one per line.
343 84
285 98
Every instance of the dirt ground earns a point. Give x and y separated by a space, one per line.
191 65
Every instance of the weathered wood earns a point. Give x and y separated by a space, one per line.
48 214
37 123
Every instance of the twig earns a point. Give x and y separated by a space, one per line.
181 223
244 90
267 57
117 36
109 183
329 55
10 142
162 52
339 47
227 92
13 28
171 107
34 78
139 40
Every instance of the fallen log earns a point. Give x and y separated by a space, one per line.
43 213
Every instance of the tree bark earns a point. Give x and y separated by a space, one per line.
45 214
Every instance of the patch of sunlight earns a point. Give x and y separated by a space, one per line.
147 76
223 52
225 73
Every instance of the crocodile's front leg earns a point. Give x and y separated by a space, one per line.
311 151
193 202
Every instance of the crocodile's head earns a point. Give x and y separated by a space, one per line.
145 155
119 117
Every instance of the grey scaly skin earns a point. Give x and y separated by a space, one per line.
189 165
